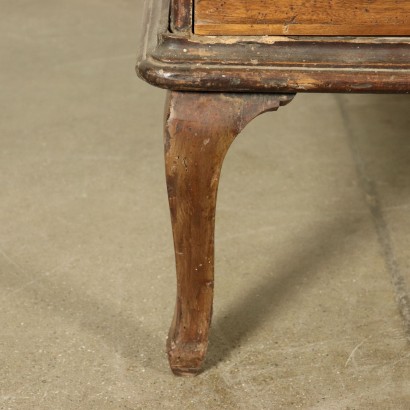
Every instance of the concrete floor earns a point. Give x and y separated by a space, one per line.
313 236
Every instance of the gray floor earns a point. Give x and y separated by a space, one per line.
313 236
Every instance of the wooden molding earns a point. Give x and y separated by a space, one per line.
181 15
278 64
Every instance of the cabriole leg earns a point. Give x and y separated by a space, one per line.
199 128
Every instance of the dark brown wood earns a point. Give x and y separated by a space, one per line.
303 17
186 62
271 52
199 128
181 15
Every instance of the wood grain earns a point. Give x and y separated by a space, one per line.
199 128
302 17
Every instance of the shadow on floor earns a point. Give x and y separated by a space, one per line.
64 298
248 314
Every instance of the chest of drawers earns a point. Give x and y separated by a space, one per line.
225 62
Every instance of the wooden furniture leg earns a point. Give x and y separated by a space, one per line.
199 128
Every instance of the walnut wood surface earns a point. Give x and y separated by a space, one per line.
302 17
199 129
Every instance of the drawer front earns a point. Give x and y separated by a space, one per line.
302 17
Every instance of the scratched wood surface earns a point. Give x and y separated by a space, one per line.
302 17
